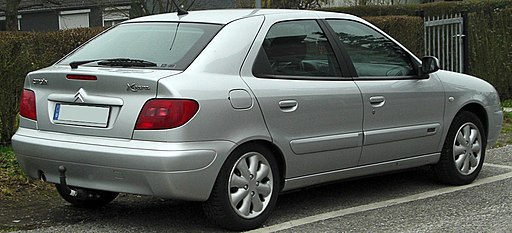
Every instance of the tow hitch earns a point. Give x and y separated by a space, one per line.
82 194
82 197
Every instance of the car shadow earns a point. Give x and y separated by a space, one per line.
136 213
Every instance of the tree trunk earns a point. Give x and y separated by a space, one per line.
11 15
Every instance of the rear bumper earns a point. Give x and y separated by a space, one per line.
184 171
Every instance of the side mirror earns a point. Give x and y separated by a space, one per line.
429 64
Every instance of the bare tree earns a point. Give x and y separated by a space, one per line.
379 2
149 7
138 8
289 4
11 8
367 2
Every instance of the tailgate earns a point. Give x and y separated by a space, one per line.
92 101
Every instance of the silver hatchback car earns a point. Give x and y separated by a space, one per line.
232 107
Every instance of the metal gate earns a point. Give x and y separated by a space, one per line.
445 38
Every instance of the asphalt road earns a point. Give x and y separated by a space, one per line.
410 201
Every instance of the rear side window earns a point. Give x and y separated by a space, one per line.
169 45
296 48
372 53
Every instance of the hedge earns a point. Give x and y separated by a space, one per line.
22 52
489 34
408 30
436 8
490 48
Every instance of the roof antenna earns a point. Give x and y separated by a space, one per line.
180 11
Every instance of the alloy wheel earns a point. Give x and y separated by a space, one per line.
467 148
250 185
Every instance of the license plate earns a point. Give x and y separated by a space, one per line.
82 115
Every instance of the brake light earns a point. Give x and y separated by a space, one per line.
166 113
28 105
81 77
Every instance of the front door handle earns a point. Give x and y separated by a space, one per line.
377 101
288 105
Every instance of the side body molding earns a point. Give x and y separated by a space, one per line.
326 143
401 133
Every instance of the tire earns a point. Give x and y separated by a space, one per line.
463 152
246 189
95 199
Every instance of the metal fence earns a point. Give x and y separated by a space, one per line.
445 38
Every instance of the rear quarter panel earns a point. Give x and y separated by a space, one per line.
208 80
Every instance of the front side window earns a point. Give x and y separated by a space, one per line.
372 53
169 45
296 48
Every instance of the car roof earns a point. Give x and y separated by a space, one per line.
228 15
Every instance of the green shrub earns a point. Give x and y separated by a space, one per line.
489 34
436 8
11 174
22 52
490 48
15 62
506 103
412 37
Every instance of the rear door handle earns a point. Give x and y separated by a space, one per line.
377 101
288 105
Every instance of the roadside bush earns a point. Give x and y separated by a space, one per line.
408 30
490 47
15 62
22 52
436 8
489 33
11 174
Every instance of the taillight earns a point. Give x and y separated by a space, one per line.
28 105
166 113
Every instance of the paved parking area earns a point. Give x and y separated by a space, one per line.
409 201
444 209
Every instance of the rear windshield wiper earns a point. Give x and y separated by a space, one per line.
75 64
126 62
122 62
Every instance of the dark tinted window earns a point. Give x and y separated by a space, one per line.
170 45
296 48
372 53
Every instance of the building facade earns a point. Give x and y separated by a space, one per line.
68 14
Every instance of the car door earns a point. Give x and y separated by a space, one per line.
313 114
402 112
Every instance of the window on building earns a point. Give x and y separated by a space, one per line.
74 19
3 23
115 15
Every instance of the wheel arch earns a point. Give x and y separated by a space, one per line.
480 112
276 152
446 169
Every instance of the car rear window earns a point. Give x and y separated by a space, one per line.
169 45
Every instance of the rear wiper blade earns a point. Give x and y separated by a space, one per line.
126 62
123 62
75 64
